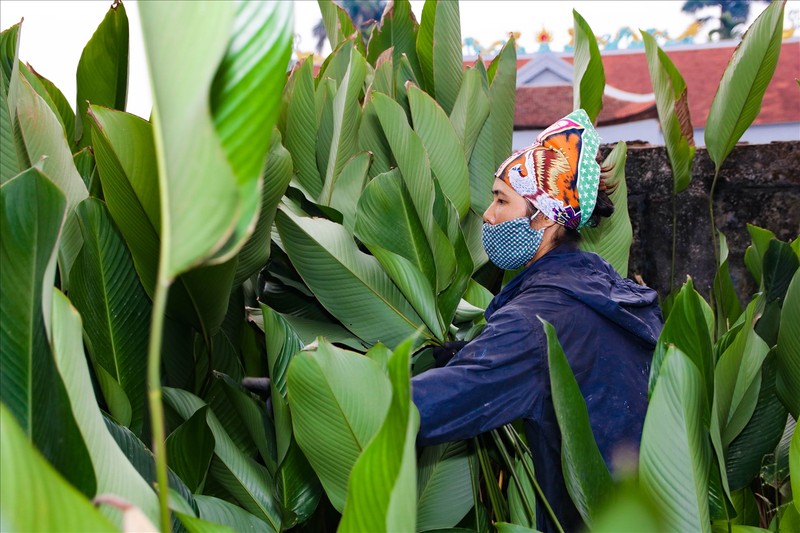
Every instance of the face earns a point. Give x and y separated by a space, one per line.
506 204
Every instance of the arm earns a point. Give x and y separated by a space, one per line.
495 379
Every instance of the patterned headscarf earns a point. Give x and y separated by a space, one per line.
558 174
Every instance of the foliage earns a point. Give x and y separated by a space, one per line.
322 228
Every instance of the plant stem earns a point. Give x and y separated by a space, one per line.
520 447
713 223
154 397
502 448
674 239
491 486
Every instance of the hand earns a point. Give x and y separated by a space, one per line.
443 354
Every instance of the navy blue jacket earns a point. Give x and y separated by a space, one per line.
608 327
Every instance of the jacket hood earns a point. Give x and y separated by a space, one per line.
589 279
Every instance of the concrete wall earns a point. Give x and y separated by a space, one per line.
758 184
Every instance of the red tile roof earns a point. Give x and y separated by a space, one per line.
701 68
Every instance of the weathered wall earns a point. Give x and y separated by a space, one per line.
758 184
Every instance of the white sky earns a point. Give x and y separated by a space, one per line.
55 32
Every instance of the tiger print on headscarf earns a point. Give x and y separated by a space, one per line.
558 174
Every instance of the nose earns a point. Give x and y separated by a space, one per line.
487 215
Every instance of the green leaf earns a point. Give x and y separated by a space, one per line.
297 487
59 102
444 494
439 51
31 219
502 96
30 484
737 381
789 349
612 238
126 161
301 125
36 84
689 328
726 300
192 524
338 25
246 480
744 82
506 527
227 514
522 496
383 485
246 97
754 254
334 420
189 450
346 116
794 466
349 187
114 307
470 111
44 142
761 434
102 75
674 449
443 148
673 112
372 139
396 30
115 474
350 284
277 174
780 264
588 75
585 473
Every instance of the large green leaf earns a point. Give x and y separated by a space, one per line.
444 494
297 487
31 219
794 466
612 238
338 400
502 74
673 112
388 224
277 174
470 111
726 301
338 25
761 434
737 381
744 82
350 284
301 126
246 480
102 74
585 473
225 513
372 139
412 160
439 51
60 104
114 307
190 448
200 197
126 160
588 75
689 328
12 160
789 349
383 485
115 474
675 459
346 118
46 146
30 485
39 88
349 187
442 145
396 30
754 254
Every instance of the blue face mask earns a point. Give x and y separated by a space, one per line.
511 244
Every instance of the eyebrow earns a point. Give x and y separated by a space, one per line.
497 192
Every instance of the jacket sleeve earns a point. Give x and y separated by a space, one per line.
493 380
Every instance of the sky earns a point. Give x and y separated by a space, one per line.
55 32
